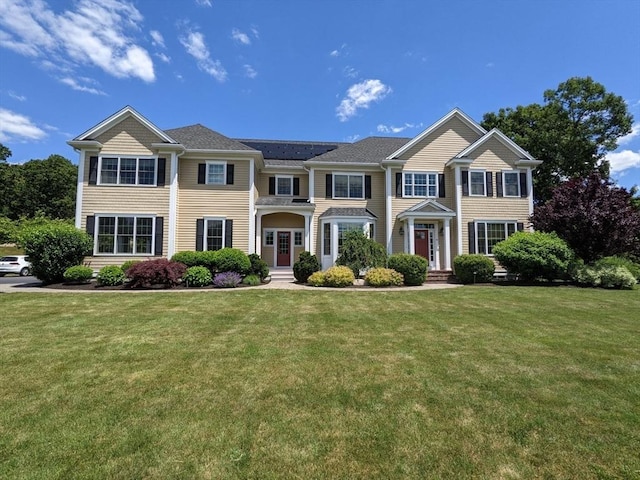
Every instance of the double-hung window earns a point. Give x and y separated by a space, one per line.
343 228
477 183
214 233
348 186
490 233
128 170
125 235
284 185
511 183
216 173
418 184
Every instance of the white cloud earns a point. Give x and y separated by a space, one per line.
164 57
250 72
15 96
157 37
361 95
75 85
628 138
352 138
391 129
350 72
334 53
240 37
195 46
255 31
98 33
17 127
623 160
203 3
339 51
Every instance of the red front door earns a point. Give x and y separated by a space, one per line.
284 249
422 243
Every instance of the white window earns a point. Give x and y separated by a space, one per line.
125 235
347 227
216 173
419 184
490 233
297 239
127 171
326 239
511 184
348 186
268 238
477 185
214 233
284 185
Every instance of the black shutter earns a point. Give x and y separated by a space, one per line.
499 184
230 174
272 185
472 238
159 236
328 185
489 176
91 230
93 170
367 186
202 173
399 185
465 183
296 186
523 184
228 234
520 226
199 234
162 172
441 190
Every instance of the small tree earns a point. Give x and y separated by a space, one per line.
306 265
360 253
54 247
533 255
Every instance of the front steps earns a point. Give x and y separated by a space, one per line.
281 274
440 276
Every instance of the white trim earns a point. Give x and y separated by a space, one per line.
388 212
119 158
504 183
347 174
506 141
80 187
224 231
252 207
224 172
458 179
530 191
97 218
287 177
484 182
312 185
447 243
413 173
266 231
173 204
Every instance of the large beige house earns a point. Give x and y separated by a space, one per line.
144 192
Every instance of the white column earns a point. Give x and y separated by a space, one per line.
79 188
388 216
436 247
259 232
447 244
173 205
458 176
312 185
307 232
405 239
252 207
412 237
530 190
334 243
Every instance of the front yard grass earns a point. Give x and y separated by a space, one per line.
476 382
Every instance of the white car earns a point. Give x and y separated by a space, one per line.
18 264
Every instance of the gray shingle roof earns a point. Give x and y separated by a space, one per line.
347 212
199 137
269 162
290 149
283 201
368 150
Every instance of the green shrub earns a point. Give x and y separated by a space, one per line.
8 230
258 266
339 276
190 258
316 279
54 247
112 275
473 268
633 268
533 255
305 266
251 280
156 272
361 253
231 260
586 275
128 264
78 274
197 276
383 277
412 267
616 277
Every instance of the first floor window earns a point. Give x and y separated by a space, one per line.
127 171
326 239
122 234
490 233
420 184
268 238
511 181
214 234
216 174
344 228
348 186
297 239
477 183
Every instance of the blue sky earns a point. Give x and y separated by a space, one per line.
333 70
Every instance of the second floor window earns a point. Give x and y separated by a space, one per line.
348 186
284 186
216 173
477 185
127 171
420 184
511 182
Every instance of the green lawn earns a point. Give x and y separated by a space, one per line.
477 382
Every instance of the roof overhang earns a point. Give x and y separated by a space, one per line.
85 144
502 138
459 162
428 209
347 166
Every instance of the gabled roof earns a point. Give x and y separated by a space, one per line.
118 117
502 138
427 209
368 150
455 113
199 137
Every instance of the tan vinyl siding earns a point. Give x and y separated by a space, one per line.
262 183
282 220
128 137
196 201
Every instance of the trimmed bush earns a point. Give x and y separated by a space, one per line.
128 264
305 266
54 247
473 268
633 268
534 255
227 280
231 260
258 266
316 279
383 277
197 277
339 276
616 277
78 274
361 253
586 275
156 272
412 267
196 259
112 275
252 280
